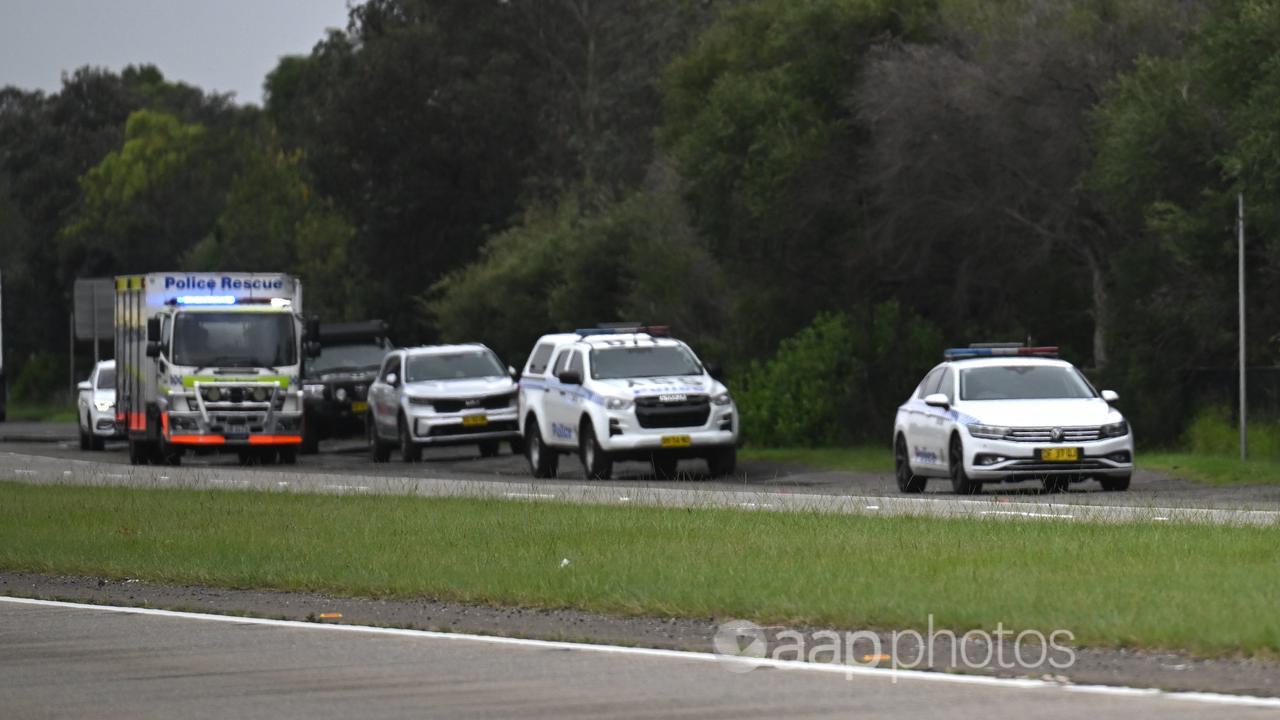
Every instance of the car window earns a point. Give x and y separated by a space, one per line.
561 360
538 360
392 365
481 363
106 379
575 362
1024 382
945 385
930 382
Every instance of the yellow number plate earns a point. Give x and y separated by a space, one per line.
359 407
676 441
1066 454
475 421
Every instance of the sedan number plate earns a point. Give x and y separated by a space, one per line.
1061 454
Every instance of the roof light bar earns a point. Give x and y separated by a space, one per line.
206 299
655 330
1001 351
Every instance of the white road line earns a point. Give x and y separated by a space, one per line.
24 472
873 507
340 487
1025 514
884 673
529 495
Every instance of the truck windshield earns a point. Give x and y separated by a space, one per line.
346 358
1024 382
234 339
453 366
641 361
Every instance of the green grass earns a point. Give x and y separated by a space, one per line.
1213 469
1208 589
40 412
867 458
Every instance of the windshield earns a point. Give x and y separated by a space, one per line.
234 339
641 361
107 379
453 366
1023 382
346 358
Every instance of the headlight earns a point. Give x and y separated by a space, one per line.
313 391
420 401
214 394
103 405
1119 429
990 432
341 394
722 399
615 403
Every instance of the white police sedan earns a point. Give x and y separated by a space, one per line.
1007 413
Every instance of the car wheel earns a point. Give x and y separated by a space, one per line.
596 463
167 454
410 451
84 436
379 451
665 467
96 443
1114 483
543 461
908 482
723 462
960 480
489 448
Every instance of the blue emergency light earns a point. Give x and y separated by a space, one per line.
206 299
655 330
999 350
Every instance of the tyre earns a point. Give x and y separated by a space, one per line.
543 461
167 454
410 451
379 451
665 467
96 443
489 448
139 452
1113 483
596 463
908 481
961 483
84 436
289 456
723 462
1054 484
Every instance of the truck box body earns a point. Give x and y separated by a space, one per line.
224 365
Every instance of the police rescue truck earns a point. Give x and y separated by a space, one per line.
210 362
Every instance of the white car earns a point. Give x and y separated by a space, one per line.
96 407
627 393
1006 413
441 395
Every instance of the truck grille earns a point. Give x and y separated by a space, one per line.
693 411
1045 434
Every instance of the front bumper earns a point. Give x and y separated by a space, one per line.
624 434
432 428
103 424
995 460
232 428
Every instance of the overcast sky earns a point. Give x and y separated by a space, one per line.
222 45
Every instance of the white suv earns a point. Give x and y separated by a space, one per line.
623 394
96 407
441 395
1004 413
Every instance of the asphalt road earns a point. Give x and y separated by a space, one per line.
76 662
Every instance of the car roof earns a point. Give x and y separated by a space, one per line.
1007 362
443 349
641 339
104 364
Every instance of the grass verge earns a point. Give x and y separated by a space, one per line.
1207 589
866 458
1213 469
27 412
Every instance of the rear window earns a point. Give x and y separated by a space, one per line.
538 360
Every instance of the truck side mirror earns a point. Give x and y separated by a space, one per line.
153 331
313 349
153 349
313 329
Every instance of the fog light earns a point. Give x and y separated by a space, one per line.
1120 456
988 459
259 394
341 394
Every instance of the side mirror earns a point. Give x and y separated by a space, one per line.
153 349
392 379
153 330
937 400
514 373
312 329
84 385
570 377
313 349
1110 396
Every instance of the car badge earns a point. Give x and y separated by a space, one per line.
473 402
1055 434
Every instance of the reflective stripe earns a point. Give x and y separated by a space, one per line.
275 439
198 440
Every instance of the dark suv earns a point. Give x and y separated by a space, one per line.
336 383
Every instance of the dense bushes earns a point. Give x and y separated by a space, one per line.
839 379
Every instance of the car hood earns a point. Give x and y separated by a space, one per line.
361 376
1040 413
638 387
108 395
469 387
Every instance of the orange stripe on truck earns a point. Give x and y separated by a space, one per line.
275 439
198 440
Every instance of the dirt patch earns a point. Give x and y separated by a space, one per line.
989 655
